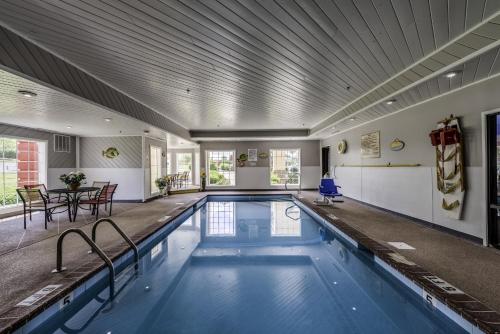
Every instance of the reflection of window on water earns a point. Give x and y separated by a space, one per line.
220 219
283 225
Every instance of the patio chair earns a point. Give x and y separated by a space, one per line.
43 190
328 189
96 184
34 200
104 196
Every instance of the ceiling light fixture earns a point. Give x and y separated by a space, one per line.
352 119
451 74
389 102
26 93
68 126
107 119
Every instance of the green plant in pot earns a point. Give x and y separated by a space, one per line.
162 183
73 180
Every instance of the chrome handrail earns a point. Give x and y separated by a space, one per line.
109 263
124 236
286 212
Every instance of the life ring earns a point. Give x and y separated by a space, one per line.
342 146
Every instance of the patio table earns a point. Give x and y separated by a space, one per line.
73 197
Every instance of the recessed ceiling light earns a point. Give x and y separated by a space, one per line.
352 118
389 102
26 93
451 74
107 119
68 126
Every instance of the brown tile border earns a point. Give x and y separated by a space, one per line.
487 319
468 307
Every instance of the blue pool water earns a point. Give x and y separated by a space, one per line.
252 267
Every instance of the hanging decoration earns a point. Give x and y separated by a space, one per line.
342 146
110 153
397 145
448 140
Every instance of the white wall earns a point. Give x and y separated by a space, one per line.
412 190
129 182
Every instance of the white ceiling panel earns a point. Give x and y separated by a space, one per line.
262 64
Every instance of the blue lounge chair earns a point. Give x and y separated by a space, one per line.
329 191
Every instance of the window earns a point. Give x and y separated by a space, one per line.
220 222
62 143
285 220
155 161
22 162
221 168
184 163
169 163
285 167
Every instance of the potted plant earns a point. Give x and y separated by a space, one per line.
203 176
73 180
161 183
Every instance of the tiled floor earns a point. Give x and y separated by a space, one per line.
28 257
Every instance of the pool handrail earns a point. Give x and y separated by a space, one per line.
109 263
123 235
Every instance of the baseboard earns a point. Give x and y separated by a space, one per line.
425 223
127 201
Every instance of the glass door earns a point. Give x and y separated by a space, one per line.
493 147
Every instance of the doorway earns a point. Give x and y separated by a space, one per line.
325 160
493 178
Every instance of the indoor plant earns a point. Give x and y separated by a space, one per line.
203 176
73 180
162 183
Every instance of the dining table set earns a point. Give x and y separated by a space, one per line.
73 197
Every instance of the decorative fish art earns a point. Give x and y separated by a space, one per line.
110 153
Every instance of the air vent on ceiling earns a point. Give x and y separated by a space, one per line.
62 143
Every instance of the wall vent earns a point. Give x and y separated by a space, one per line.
62 143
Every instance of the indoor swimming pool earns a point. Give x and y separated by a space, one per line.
260 266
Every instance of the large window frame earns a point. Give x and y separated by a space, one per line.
155 167
227 174
26 164
283 180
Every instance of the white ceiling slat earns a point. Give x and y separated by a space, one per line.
474 14
421 11
439 15
372 19
348 31
408 24
355 19
456 17
389 19
337 37
491 7
485 64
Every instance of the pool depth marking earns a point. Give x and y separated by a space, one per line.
38 295
400 245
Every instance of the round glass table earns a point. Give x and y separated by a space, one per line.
73 197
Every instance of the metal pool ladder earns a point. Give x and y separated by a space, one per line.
109 263
123 235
